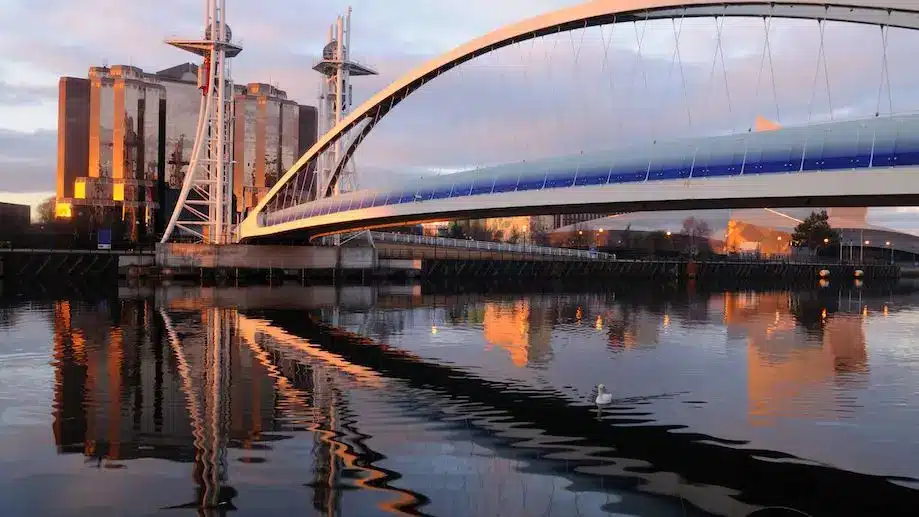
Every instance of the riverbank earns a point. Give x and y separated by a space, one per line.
653 269
242 265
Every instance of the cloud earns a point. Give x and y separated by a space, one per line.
26 95
900 218
27 160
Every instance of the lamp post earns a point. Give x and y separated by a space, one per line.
890 245
861 257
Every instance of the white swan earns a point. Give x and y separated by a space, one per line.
603 397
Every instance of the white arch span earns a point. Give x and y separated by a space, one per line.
893 13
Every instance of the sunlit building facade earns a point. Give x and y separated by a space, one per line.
126 138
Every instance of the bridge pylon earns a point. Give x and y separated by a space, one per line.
204 210
336 99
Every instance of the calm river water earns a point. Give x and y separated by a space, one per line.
406 400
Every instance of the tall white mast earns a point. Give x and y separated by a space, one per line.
336 100
203 211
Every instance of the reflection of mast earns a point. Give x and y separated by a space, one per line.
210 423
321 409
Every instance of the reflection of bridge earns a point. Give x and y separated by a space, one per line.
846 163
649 454
385 297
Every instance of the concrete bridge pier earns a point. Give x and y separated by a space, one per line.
276 263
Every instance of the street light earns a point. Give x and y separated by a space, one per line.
861 252
890 245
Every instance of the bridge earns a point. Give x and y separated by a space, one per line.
868 161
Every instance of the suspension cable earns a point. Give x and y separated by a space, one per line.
641 58
885 74
810 108
775 90
826 70
677 34
759 76
576 74
727 89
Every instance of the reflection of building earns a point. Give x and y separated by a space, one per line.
119 393
523 331
125 138
788 369
630 328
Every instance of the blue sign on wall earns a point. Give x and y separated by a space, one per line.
105 239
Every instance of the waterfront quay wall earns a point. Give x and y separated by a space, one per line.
278 262
27 263
483 270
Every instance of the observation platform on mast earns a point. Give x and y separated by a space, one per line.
203 47
329 64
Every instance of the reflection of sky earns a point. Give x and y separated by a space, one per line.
861 420
27 377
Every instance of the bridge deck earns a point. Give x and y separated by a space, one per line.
878 144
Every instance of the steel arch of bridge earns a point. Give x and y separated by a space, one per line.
890 13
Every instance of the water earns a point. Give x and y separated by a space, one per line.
407 400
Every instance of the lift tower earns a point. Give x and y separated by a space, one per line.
204 209
335 101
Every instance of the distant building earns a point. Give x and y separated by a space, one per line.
271 133
16 218
759 231
562 220
125 138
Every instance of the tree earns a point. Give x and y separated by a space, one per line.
626 236
815 232
46 210
539 237
698 232
456 231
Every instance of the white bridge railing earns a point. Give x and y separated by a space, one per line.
444 242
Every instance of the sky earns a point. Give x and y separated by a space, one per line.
576 92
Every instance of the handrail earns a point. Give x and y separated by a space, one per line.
446 242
